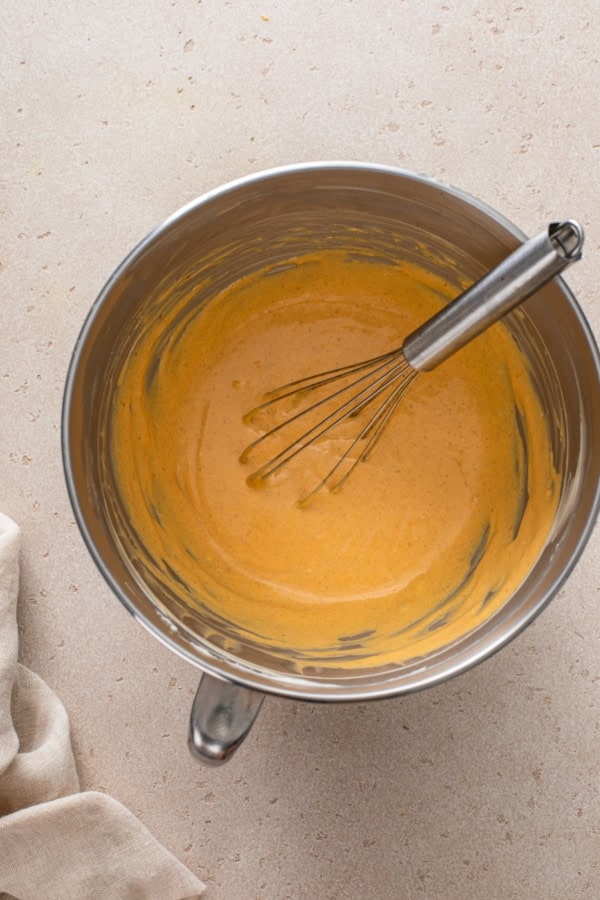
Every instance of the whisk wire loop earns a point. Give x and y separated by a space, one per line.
380 370
371 433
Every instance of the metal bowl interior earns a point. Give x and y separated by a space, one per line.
264 220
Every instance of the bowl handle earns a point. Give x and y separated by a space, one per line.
222 715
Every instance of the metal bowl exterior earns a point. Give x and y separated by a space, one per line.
463 221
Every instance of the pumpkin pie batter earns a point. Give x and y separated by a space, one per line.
425 540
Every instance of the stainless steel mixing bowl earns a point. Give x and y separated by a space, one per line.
240 228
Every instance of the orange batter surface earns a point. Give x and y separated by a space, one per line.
425 540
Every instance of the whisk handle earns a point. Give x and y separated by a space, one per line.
516 278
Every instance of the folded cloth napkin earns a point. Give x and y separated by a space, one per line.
57 843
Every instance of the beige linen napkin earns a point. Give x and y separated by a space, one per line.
56 843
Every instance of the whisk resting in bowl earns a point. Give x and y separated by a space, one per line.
381 383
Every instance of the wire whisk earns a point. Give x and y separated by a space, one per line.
376 386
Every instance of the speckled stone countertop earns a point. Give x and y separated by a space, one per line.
114 115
